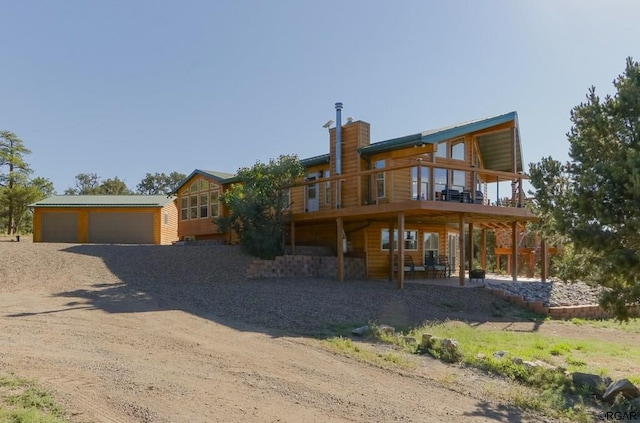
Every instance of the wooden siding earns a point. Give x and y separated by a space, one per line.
200 228
378 259
354 136
168 231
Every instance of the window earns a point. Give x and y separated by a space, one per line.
204 205
380 182
184 208
420 188
200 200
440 176
410 239
458 180
193 207
431 247
327 188
458 150
165 218
215 203
441 149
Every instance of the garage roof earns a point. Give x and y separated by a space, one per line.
127 201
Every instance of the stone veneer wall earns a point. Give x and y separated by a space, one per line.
306 266
564 312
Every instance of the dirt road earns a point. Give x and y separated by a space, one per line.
142 359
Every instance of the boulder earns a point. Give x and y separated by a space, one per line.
450 345
500 354
596 384
426 340
361 331
622 386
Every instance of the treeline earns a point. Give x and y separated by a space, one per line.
156 183
19 187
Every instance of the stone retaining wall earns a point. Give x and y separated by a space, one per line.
306 266
565 312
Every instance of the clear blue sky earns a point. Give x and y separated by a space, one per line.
125 87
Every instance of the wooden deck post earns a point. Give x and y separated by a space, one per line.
391 251
483 252
514 250
471 249
293 238
544 265
461 272
340 249
401 250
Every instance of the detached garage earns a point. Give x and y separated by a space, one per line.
106 219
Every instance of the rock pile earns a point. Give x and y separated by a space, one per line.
552 294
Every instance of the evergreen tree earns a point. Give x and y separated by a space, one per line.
14 176
593 200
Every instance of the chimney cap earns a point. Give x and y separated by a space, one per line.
338 106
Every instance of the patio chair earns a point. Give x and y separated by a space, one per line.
445 266
409 266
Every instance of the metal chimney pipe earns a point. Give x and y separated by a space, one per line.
338 138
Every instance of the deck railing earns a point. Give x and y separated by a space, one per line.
422 181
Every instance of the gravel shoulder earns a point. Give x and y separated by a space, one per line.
176 334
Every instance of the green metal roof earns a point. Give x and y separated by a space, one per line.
315 160
127 201
221 177
495 148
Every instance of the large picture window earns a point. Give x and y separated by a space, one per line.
201 200
410 239
420 185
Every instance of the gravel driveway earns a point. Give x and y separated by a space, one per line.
176 334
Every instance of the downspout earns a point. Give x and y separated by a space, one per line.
338 153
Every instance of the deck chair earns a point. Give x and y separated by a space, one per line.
445 266
409 266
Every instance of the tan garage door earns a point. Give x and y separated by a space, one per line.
120 228
59 227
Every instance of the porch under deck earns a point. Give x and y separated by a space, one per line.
398 215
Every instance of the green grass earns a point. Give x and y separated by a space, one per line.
369 354
22 402
632 326
556 395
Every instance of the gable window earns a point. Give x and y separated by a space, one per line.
410 239
458 150
200 200
441 149
380 179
